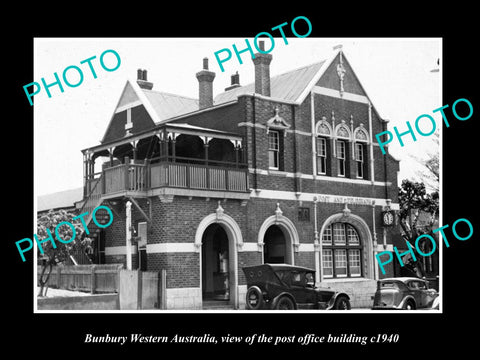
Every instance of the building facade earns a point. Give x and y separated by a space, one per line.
283 170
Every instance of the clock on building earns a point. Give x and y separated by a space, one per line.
388 217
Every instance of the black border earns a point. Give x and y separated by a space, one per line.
429 333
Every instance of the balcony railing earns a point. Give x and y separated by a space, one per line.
201 177
143 177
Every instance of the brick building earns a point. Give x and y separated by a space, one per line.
282 170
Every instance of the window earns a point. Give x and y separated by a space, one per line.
360 136
341 263
341 157
327 236
339 234
389 285
273 149
303 214
327 263
297 279
359 159
321 156
417 285
342 251
354 261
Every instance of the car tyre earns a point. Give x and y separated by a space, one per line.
254 294
285 303
342 303
409 305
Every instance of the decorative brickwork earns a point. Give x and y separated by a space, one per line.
282 197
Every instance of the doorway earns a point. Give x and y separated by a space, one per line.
215 264
276 250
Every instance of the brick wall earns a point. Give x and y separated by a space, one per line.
246 259
225 118
361 292
296 155
350 82
306 259
142 121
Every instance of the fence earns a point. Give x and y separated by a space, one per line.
92 278
142 290
136 289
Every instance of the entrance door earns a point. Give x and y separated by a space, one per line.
275 249
215 264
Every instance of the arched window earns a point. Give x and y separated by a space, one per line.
360 152
324 132
343 137
342 251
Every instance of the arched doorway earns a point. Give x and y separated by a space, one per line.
278 238
207 229
275 247
215 264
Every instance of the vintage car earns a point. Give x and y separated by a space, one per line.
407 293
288 287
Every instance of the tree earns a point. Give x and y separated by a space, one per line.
429 173
413 200
64 250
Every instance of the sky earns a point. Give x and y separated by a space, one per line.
395 73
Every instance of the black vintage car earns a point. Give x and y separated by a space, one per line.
404 293
288 287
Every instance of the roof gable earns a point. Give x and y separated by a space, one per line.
292 87
295 85
340 74
144 109
129 96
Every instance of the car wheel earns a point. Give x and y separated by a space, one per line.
254 298
285 303
342 303
409 305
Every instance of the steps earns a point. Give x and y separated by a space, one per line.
217 305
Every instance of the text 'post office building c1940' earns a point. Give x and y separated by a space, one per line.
283 170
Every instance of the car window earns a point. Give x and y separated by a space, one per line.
280 274
285 276
421 285
309 278
389 285
297 278
416 285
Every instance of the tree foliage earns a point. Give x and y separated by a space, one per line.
415 201
429 173
62 250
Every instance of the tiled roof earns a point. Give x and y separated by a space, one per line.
287 86
168 105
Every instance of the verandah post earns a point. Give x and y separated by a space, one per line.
127 163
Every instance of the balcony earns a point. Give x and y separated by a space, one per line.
170 160
147 179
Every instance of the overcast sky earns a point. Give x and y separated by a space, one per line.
396 74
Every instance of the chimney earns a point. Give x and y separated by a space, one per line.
205 86
262 71
142 80
235 82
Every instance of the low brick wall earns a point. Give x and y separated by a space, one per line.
90 302
184 299
361 291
